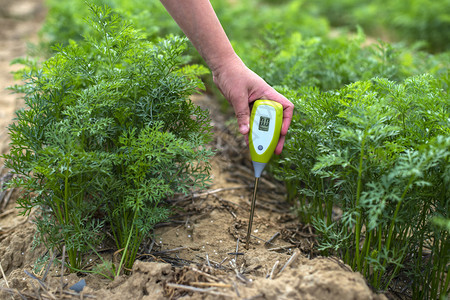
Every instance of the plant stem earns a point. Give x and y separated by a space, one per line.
377 276
366 250
358 209
397 209
125 251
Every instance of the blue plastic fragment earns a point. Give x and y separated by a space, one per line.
79 286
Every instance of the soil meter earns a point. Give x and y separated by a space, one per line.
265 127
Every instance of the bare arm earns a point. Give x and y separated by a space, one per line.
198 21
238 84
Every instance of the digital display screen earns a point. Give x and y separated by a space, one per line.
264 123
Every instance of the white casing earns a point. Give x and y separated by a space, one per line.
262 139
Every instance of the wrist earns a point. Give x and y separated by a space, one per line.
221 64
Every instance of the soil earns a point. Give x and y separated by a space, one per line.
199 253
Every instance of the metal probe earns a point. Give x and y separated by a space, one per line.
252 212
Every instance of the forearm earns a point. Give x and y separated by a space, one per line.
200 24
240 85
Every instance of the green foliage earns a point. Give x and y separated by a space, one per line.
108 132
406 20
246 21
419 20
65 20
380 151
293 61
323 63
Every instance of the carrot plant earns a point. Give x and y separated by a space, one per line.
380 151
108 132
65 21
294 61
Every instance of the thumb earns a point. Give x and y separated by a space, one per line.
242 112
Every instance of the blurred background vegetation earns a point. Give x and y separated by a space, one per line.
423 23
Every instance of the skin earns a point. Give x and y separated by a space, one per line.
240 85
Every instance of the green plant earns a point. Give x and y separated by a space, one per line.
293 61
65 21
108 132
407 20
418 20
379 151
323 62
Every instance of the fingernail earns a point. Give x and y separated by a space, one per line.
243 129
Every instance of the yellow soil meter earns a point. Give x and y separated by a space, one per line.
265 127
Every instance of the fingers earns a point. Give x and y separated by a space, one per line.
288 111
242 112
280 145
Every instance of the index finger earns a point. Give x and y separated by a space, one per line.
288 111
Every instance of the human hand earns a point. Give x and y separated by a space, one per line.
241 86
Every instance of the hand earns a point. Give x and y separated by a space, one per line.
241 86
238 84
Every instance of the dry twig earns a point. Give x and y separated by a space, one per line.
270 241
169 250
7 212
237 249
47 269
207 260
6 199
291 259
211 284
215 191
4 276
280 248
205 274
194 289
273 269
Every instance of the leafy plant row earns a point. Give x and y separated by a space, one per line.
379 152
107 134
411 21
295 61
366 159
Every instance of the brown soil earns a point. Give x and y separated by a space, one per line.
189 256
